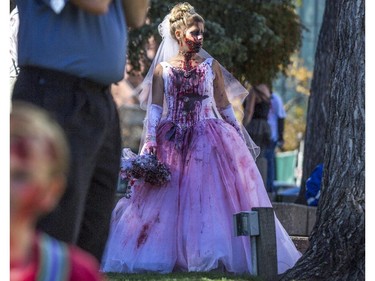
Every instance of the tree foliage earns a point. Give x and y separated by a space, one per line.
298 78
252 39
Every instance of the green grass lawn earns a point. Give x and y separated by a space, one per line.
181 276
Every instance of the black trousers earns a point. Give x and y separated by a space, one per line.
89 116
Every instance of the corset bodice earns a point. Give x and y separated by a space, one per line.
189 95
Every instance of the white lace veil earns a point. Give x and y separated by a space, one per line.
169 48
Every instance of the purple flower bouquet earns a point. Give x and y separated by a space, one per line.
145 168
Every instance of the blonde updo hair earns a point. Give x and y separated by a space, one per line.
183 16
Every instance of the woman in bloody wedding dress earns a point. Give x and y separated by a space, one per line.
186 224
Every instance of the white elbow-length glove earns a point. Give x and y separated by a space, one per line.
152 122
227 113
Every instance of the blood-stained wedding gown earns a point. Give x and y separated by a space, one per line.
186 225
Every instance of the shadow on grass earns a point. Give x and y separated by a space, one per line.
181 276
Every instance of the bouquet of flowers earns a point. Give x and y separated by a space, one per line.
146 168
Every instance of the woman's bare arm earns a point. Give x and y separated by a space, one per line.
220 95
249 108
135 12
97 7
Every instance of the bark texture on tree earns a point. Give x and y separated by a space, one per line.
337 242
317 111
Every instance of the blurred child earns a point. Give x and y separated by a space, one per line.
39 160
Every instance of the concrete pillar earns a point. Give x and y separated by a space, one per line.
266 244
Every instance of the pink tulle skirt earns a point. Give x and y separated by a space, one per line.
187 224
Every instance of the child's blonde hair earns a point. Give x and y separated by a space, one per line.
30 121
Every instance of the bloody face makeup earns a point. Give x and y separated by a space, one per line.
30 170
194 37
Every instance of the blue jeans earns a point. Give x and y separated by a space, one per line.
269 153
87 113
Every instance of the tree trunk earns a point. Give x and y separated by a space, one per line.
317 113
337 242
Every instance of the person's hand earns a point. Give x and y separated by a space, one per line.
149 147
150 150
227 113
280 144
